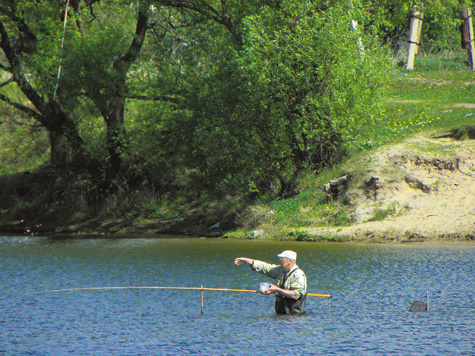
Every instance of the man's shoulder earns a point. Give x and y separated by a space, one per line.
298 271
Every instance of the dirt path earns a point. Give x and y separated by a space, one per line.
428 185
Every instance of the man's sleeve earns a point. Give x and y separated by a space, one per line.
299 284
266 269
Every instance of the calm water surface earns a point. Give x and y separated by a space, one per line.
372 286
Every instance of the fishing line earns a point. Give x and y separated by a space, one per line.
61 51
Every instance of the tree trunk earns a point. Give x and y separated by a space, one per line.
414 37
67 147
116 135
112 105
467 35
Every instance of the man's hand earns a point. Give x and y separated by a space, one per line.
243 260
273 289
285 292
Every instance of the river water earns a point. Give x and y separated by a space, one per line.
372 286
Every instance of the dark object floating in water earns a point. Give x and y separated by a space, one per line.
417 306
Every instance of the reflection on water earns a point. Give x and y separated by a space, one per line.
372 285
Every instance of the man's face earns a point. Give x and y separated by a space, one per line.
286 263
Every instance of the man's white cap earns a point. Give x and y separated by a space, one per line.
291 255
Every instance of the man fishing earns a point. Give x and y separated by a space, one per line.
291 283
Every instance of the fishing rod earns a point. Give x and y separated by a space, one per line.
201 289
179 288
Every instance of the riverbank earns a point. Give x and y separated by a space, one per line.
420 189
427 183
424 186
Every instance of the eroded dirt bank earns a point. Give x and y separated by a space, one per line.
426 185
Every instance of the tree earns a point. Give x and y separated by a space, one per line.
390 20
285 101
30 37
98 63
18 41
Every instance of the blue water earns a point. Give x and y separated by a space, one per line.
372 286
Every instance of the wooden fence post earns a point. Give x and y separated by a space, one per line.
419 33
467 34
414 37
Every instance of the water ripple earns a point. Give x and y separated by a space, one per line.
372 288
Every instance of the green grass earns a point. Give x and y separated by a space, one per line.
422 100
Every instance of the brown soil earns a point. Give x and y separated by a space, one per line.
426 185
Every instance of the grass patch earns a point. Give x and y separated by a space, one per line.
392 211
420 101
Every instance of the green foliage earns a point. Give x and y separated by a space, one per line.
310 83
23 145
390 19
237 116
43 57
286 100
142 204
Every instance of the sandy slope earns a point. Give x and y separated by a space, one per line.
428 184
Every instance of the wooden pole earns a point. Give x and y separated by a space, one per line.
202 289
419 33
202 300
319 295
169 288
414 37
467 35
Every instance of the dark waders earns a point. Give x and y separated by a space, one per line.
285 305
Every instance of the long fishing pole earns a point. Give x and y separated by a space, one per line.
179 288
170 288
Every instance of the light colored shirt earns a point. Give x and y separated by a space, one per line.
297 281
